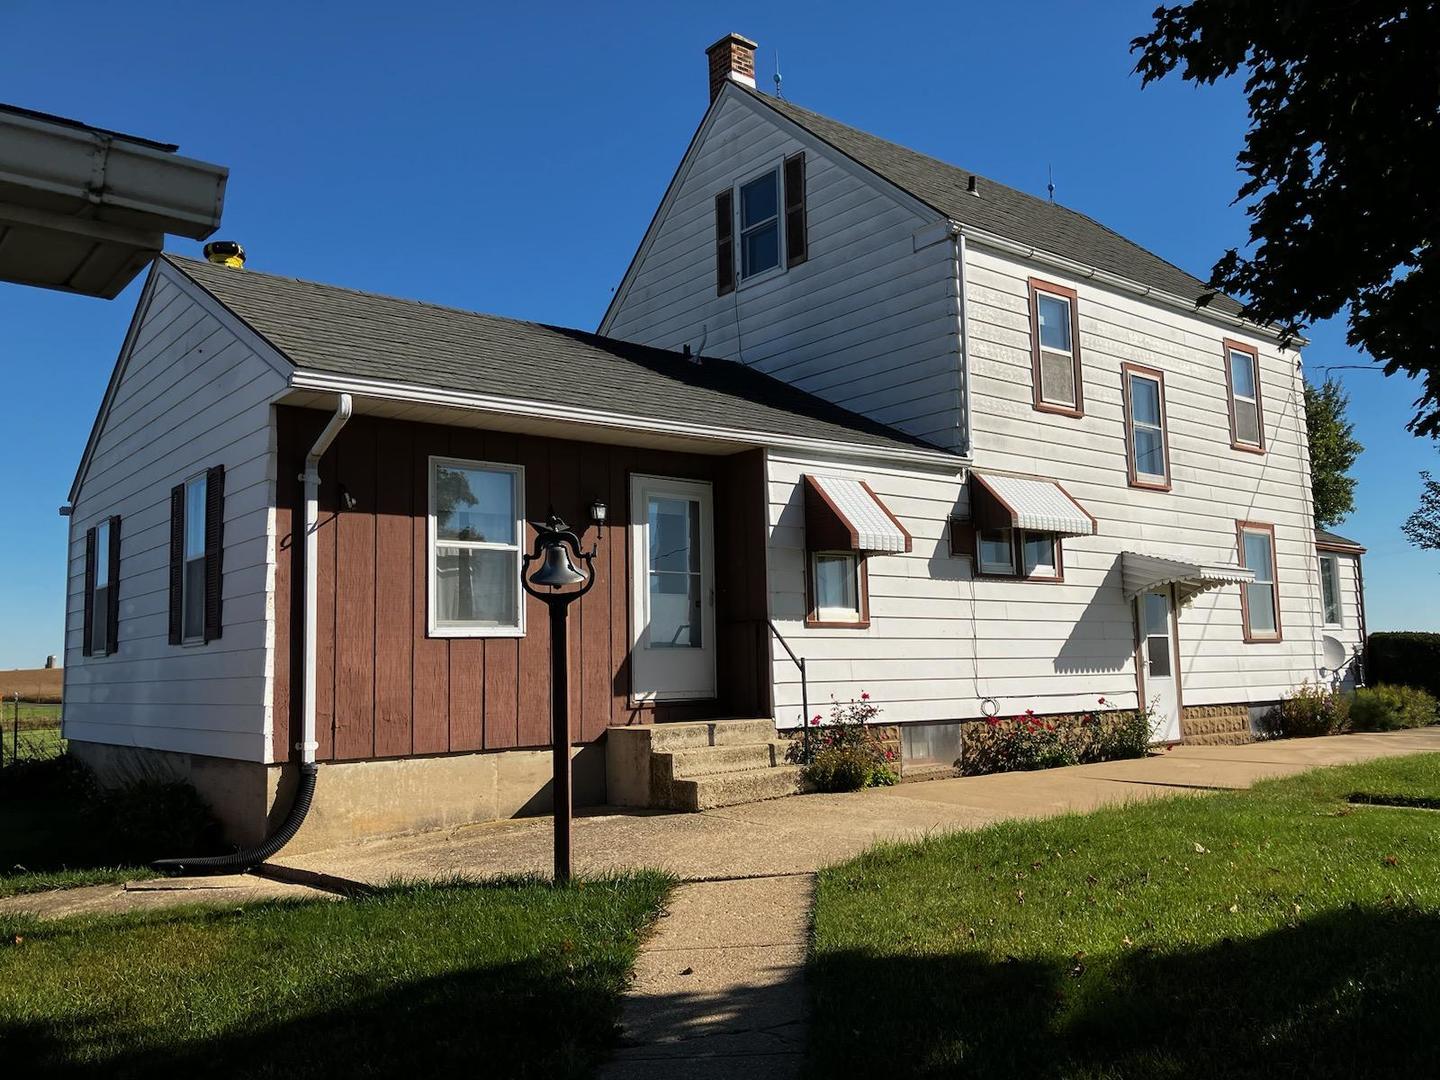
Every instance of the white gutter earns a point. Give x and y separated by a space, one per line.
545 410
311 479
1115 281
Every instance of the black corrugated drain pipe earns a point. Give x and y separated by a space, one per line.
244 860
240 861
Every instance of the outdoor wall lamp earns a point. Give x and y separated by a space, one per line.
554 543
598 512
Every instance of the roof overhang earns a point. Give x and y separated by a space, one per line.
84 210
1338 547
843 514
1141 573
309 387
1006 501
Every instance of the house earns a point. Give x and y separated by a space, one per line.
957 447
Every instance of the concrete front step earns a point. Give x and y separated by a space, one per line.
711 760
665 738
734 788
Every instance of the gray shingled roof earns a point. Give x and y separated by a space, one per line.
999 209
345 332
1325 536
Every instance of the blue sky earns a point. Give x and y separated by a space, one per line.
508 160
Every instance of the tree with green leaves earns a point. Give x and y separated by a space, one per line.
1422 528
1341 165
1333 450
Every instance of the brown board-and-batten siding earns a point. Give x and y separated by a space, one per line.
384 688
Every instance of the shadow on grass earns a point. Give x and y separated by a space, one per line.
507 1020
1349 994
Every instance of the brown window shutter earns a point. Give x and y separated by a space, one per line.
177 559
112 605
87 621
214 548
724 243
796 244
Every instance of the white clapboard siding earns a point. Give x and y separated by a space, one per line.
192 394
1213 487
867 322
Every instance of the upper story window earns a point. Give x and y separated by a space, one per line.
196 551
1055 349
760 224
1260 601
476 525
1146 434
1330 589
102 571
1247 417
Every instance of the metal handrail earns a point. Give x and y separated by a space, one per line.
799 662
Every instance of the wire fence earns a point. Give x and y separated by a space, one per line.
29 730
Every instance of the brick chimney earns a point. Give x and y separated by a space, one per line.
732 59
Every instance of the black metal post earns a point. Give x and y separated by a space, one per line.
560 731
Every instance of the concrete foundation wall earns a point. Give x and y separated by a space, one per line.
358 799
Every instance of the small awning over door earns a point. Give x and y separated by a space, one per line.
845 515
1026 502
1140 573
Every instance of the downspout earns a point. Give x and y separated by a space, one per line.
962 334
305 794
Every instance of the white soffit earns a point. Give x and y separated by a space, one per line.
1038 505
1140 573
874 527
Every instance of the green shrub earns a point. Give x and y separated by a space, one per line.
839 769
151 819
1310 710
845 754
1029 741
1404 658
1390 708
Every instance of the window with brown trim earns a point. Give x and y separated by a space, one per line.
1013 554
1147 434
1242 388
1055 349
837 588
1259 599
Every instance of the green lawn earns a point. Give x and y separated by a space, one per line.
1277 932
512 979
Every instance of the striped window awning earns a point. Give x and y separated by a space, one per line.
1026 502
1141 573
842 514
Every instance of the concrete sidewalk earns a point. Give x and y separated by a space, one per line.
804 833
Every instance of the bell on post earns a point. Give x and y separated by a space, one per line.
557 569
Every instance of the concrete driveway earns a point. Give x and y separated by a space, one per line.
804 833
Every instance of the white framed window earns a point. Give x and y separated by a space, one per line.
476 528
192 579
1330 589
997 551
100 593
1041 555
1149 463
1242 367
759 224
1261 606
836 588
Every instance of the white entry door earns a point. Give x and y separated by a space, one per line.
672 654
1161 667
